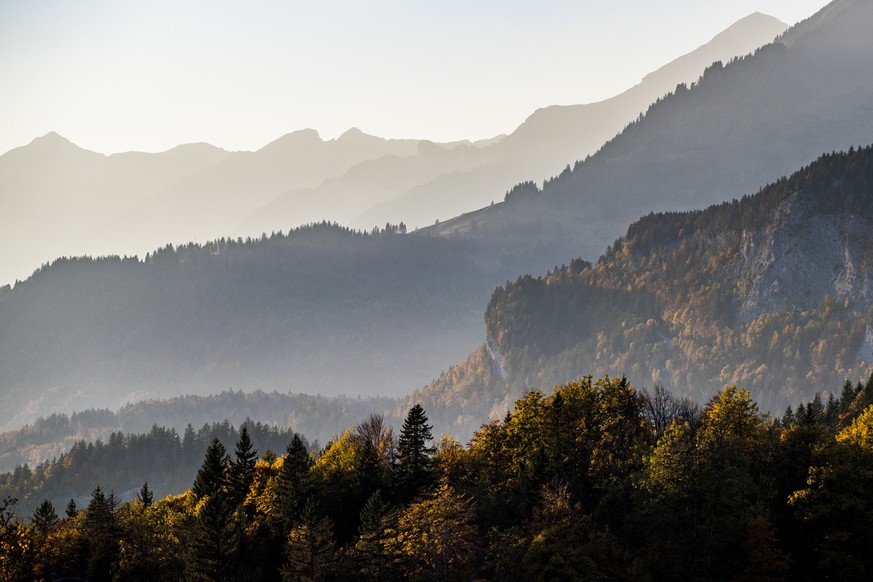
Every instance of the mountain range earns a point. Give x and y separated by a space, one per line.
327 310
132 203
771 292
745 123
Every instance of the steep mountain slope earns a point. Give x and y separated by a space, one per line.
772 292
322 310
557 135
742 125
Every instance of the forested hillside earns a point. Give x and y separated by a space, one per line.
321 310
319 417
595 480
745 123
772 292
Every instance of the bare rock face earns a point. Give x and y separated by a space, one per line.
802 256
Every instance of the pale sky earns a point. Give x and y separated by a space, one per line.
116 75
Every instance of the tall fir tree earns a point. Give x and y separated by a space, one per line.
414 472
211 475
45 518
101 533
311 552
292 495
213 547
145 495
241 469
71 511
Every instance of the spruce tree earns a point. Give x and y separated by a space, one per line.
414 473
213 547
145 495
311 553
101 533
210 477
71 511
374 560
292 485
241 470
45 518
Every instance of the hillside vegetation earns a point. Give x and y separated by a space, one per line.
320 310
593 480
772 292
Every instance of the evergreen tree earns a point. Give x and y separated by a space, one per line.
241 469
311 553
210 478
145 495
72 511
101 533
45 518
374 560
214 542
292 495
414 472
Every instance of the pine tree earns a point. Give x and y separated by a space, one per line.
370 549
241 470
210 477
414 472
292 486
214 543
45 518
311 551
72 511
101 533
145 495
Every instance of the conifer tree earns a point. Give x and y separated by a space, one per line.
292 486
145 495
414 472
210 477
373 559
101 533
311 553
241 469
45 518
214 543
71 511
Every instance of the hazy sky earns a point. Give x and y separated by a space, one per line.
147 75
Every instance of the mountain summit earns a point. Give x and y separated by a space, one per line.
744 123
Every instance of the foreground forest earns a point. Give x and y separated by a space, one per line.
594 481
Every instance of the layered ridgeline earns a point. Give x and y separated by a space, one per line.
322 310
745 123
85 202
320 418
772 292
440 184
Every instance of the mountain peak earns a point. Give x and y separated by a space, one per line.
300 138
53 138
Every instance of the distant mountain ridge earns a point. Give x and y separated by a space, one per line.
321 310
772 292
745 123
554 136
133 202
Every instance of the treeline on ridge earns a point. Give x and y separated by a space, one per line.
683 300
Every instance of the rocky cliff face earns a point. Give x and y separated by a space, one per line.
800 257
